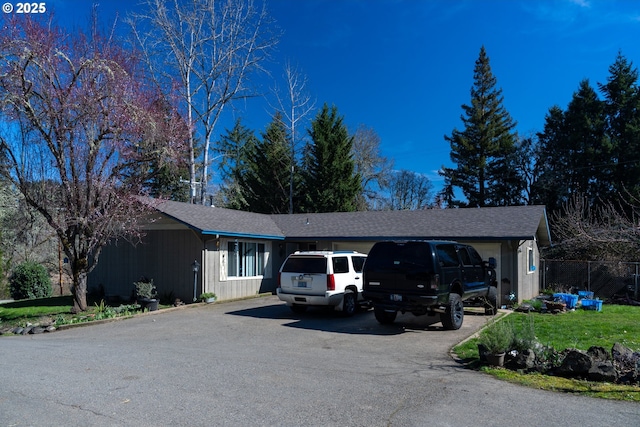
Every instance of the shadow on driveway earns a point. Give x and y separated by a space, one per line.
361 323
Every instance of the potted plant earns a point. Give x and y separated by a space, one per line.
146 294
208 297
496 339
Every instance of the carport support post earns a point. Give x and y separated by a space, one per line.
195 267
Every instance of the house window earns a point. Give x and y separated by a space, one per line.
531 266
246 259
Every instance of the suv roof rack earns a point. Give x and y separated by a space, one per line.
325 251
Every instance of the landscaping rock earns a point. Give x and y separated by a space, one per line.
36 330
603 371
626 363
624 357
576 363
522 361
525 307
598 354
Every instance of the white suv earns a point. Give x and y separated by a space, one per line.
322 278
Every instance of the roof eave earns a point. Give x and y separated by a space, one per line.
243 235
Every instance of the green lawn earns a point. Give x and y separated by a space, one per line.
579 329
27 310
19 313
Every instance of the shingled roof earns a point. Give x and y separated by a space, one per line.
228 222
499 223
516 222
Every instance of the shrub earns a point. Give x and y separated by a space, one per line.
524 337
498 336
145 288
30 280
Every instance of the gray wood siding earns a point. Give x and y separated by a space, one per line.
164 256
236 287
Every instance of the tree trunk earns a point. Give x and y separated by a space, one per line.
79 292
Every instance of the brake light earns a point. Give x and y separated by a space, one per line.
435 282
331 282
279 284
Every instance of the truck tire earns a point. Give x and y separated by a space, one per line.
384 317
349 304
454 313
491 301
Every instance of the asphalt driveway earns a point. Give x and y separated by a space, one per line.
254 363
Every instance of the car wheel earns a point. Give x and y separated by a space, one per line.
491 301
384 317
348 304
454 313
297 308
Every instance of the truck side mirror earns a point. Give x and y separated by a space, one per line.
492 262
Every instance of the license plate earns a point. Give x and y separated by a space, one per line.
302 284
396 297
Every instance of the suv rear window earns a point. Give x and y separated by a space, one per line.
390 255
340 265
305 265
358 263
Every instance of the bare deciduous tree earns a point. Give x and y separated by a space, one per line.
409 191
74 111
295 104
210 47
605 231
374 169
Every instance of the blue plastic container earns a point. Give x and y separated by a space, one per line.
569 299
592 304
585 294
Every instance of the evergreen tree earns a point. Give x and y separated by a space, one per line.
622 106
329 180
585 150
574 155
233 150
548 188
482 150
265 182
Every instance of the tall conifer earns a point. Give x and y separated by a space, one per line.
481 151
265 182
233 151
622 106
329 181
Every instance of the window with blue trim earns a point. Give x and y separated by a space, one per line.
531 265
246 259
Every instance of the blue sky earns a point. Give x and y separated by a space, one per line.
405 67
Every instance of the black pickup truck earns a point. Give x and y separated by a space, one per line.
428 277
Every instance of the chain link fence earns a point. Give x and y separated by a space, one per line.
604 278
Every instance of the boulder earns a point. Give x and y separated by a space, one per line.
576 363
598 354
624 357
627 363
522 361
525 307
603 371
